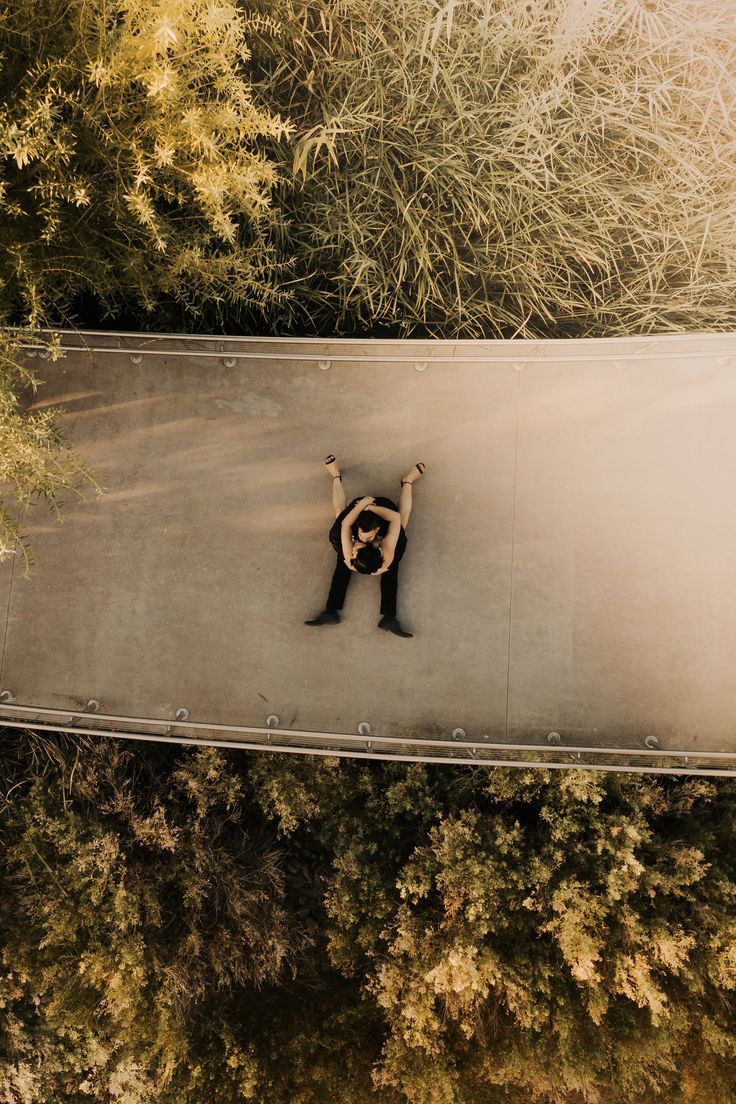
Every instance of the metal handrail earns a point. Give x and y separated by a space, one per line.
341 753
386 746
423 347
369 359
156 335
360 739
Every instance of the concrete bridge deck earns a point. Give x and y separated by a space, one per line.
570 564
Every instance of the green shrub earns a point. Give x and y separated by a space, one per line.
132 160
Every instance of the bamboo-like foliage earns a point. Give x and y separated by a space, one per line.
36 462
503 168
130 169
131 163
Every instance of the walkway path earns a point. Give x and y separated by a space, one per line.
570 564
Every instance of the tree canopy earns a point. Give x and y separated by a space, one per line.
188 924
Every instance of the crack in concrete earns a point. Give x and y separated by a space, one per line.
7 611
511 575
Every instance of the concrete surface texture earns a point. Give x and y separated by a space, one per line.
570 562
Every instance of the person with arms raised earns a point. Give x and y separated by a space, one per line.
369 537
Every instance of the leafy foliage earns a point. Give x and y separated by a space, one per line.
131 160
417 935
530 935
35 459
133 909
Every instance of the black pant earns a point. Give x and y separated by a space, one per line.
341 578
342 573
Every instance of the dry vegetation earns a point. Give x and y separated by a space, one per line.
508 167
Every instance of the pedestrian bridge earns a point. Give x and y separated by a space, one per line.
570 576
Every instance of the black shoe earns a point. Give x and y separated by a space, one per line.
390 624
325 618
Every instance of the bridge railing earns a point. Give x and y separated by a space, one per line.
409 747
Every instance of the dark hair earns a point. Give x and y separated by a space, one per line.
368 559
368 520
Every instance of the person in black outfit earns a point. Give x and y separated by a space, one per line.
369 537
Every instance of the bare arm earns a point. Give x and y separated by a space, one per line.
346 530
388 545
384 512
355 513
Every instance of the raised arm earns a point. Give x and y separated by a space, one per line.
356 511
347 543
385 512
346 536
388 544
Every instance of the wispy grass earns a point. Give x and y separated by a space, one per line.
28 755
507 168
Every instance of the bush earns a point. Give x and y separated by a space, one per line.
132 160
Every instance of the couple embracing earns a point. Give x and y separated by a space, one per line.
369 537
